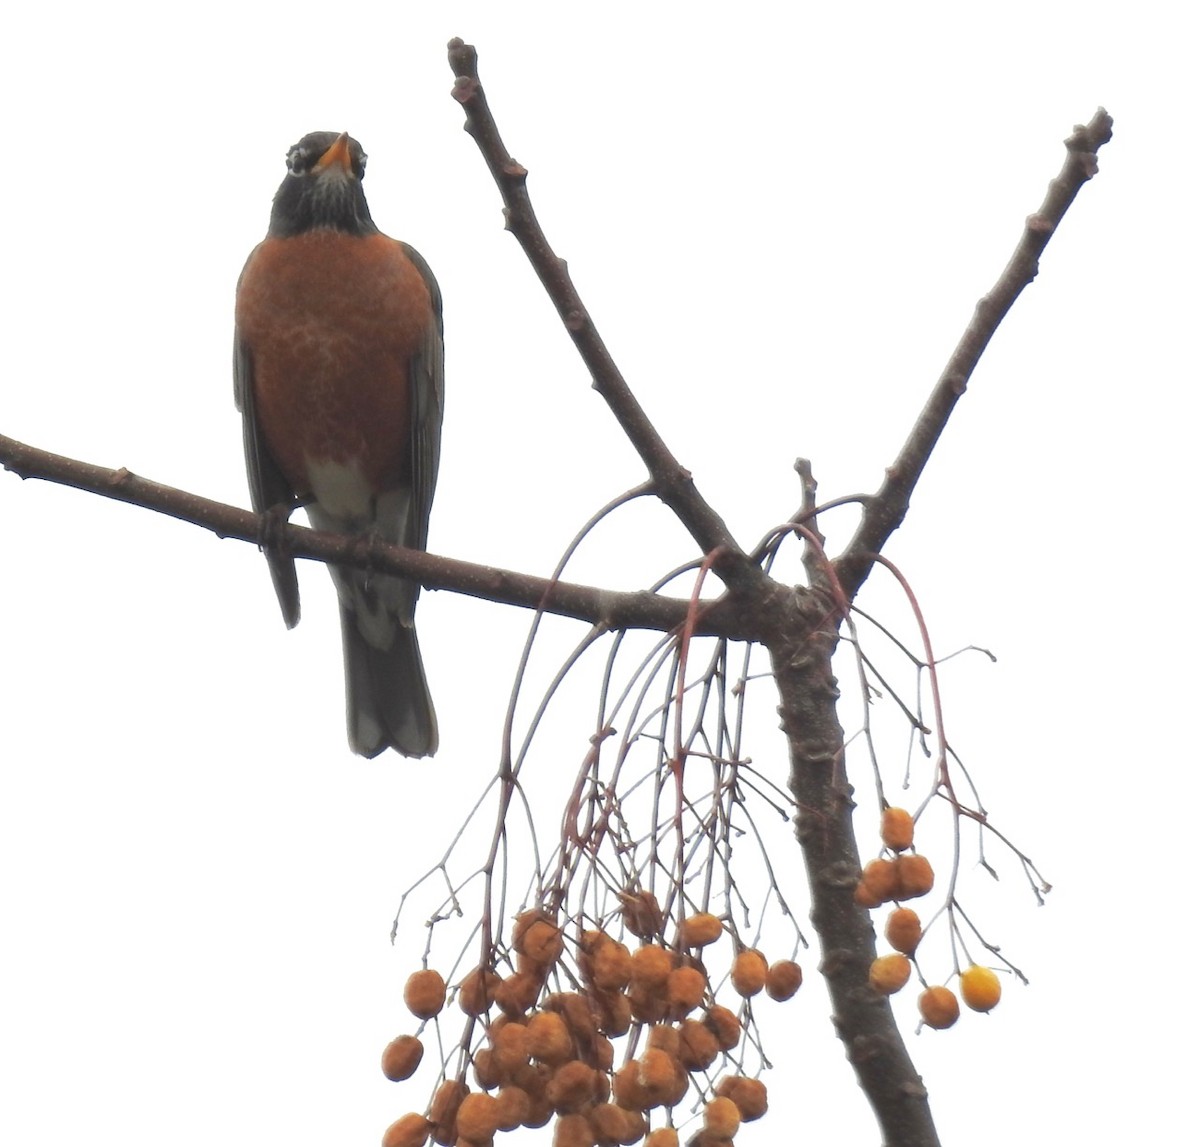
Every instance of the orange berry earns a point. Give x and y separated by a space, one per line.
938 1007
512 1105
725 1026
665 1037
636 1127
647 1002
614 1013
572 1131
445 1105
699 930
980 988
722 1117
903 930
641 914
533 1081
611 965
889 973
608 1122
651 966
784 978
685 990
601 1053
627 1088
477 990
478 1117
656 1069
663 1137
750 1095
487 1067
879 882
572 1087
749 973
408 1131
539 940
516 994
402 1057
896 829
425 994
662 1078
698 1046
915 876
573 1008
549 1038
613 1125
510 1048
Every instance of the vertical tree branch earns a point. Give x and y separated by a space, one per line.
802 662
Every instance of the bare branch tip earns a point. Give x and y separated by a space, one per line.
464 59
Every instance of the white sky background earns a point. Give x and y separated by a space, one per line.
780 224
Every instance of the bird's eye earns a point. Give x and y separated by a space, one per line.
298 160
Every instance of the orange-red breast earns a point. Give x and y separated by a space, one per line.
338 375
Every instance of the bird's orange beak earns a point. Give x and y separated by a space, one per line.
339 153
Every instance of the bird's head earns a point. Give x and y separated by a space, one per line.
323 188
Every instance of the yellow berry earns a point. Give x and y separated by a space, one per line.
980 988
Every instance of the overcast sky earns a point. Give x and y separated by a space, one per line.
780 219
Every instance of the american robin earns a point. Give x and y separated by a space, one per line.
338 374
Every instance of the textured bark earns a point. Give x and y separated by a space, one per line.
801 657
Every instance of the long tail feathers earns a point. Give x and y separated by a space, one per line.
387 699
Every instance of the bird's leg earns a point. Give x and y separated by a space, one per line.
272 525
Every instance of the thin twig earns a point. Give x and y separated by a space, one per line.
885 511
672 482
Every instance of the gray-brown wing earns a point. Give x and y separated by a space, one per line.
268 487
427 380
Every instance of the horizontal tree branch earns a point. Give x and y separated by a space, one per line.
614 610
884 512
672 482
